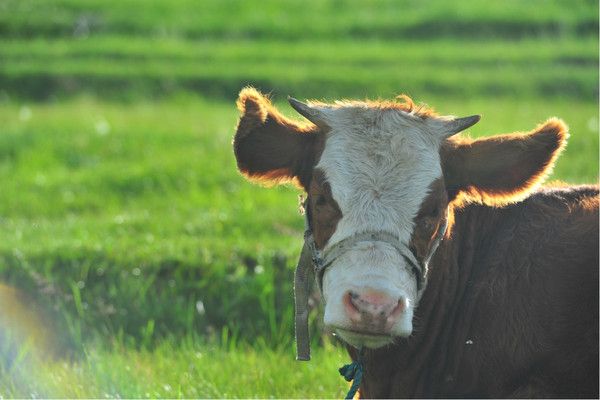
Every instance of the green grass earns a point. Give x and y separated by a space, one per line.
116 67
320 49
185 370
298 19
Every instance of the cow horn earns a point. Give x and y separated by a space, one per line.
453 126
312 114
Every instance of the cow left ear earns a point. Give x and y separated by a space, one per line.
505 168
270 148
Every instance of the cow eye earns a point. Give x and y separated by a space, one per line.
320 200
430 212
435 211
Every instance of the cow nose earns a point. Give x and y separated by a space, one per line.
373 308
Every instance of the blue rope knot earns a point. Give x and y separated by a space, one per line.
353 372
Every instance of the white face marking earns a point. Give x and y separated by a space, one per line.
380 164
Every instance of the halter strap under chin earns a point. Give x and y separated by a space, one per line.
321 260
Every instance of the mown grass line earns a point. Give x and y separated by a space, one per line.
441 50
115 67
49 81
300 19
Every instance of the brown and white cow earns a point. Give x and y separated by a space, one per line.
510 307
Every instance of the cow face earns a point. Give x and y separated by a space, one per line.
383 167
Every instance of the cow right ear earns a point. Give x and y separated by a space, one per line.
270 148
502 169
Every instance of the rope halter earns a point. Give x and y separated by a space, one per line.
319 261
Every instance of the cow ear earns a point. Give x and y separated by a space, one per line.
502 169
270 148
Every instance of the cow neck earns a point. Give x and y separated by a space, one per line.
413 367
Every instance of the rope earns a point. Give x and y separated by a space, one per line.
301 290
353 372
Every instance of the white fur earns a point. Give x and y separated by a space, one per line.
380 164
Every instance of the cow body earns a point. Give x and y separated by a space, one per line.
510 310
459 276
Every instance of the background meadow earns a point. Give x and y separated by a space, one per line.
135 261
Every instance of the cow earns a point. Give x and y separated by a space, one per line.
460 276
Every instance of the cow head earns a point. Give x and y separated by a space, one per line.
384 167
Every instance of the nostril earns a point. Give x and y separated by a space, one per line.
351 307
401 306
354 299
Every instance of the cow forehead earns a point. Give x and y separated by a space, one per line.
380 165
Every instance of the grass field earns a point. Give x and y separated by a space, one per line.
186 370
119 50
122 216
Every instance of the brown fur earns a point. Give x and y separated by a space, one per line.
510 310
429 219
502 169
325 212
270 148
